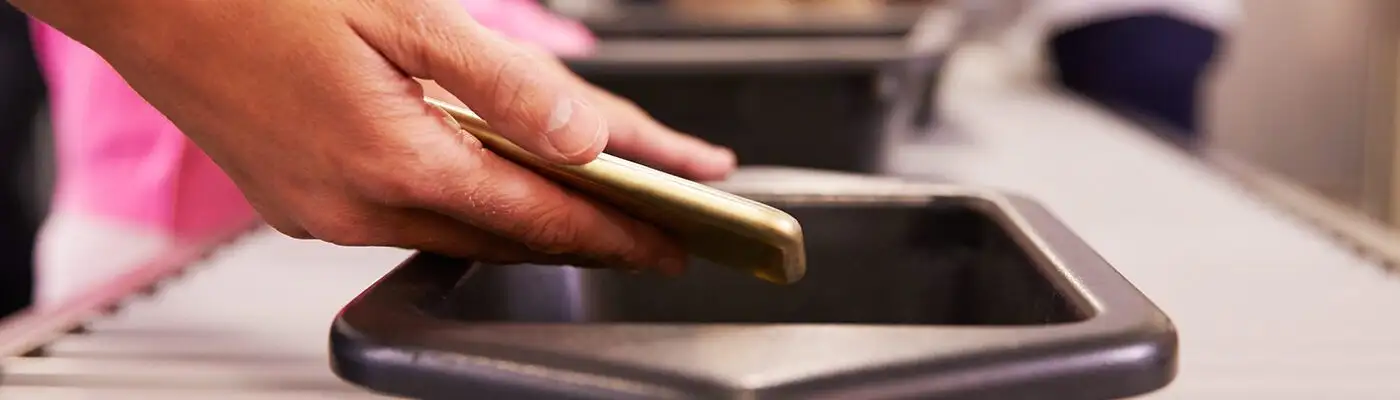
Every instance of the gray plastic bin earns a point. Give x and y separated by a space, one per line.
951 294
804 92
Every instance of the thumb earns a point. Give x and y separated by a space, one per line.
538 108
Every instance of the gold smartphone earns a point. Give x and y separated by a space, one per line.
712 224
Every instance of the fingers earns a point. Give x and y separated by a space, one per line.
508 200
636 136
448 173
538 108
428 231
451 174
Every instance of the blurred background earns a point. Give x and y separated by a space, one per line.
1308 89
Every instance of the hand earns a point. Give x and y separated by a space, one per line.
311 108
632 133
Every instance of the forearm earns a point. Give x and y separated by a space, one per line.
111 26
76 18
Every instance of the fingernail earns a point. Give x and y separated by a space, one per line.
561 114
574 127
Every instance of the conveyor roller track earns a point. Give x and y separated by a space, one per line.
204 321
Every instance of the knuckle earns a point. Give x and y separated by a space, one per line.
412 183
392 186
506 80
510 85
412 171
417 36
438 50
550 229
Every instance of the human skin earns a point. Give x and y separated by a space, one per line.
315 111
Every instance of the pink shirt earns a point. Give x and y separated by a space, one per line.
119 158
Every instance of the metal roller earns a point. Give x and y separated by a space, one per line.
242 323
140 372
84 393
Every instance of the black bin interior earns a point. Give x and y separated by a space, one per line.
814 109
887 264
831 120
651 19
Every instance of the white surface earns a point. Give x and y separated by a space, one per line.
76 251
1266 307
251 322
267 291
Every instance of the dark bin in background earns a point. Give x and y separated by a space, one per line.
806 91
946 293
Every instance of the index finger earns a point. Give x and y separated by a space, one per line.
537 107
478 187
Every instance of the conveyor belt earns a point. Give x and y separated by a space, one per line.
1268 306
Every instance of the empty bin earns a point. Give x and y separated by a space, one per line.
912 291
